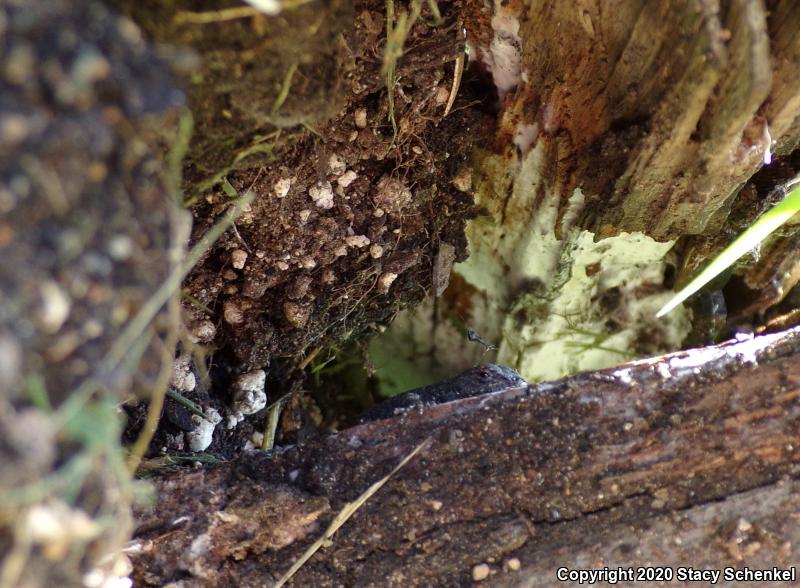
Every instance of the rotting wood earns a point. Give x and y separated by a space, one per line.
622 117
528 472
748 529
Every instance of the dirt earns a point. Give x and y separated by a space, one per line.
348 215
84 232
234 71
361 195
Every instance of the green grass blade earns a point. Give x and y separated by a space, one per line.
766 224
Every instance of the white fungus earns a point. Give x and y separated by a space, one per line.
201 437
249 395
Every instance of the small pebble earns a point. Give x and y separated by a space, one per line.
480 572
232 313
299 287
385 281
391 194
322 195
203 434
249 394
463 180
257 439
360 117
347 178
238 258
56 306
282 187
120 247
357 241
204 331
297 314
442 95
336 165
182 376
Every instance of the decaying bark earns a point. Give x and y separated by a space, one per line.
640 465
626 133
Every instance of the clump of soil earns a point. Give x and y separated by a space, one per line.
344 226
354 194
247 77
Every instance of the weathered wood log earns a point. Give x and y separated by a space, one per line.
638 465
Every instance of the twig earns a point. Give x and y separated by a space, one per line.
208 17
196 303
186 403
457 74
273 415
179 235
287 84
159 391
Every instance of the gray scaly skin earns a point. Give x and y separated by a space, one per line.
484 379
